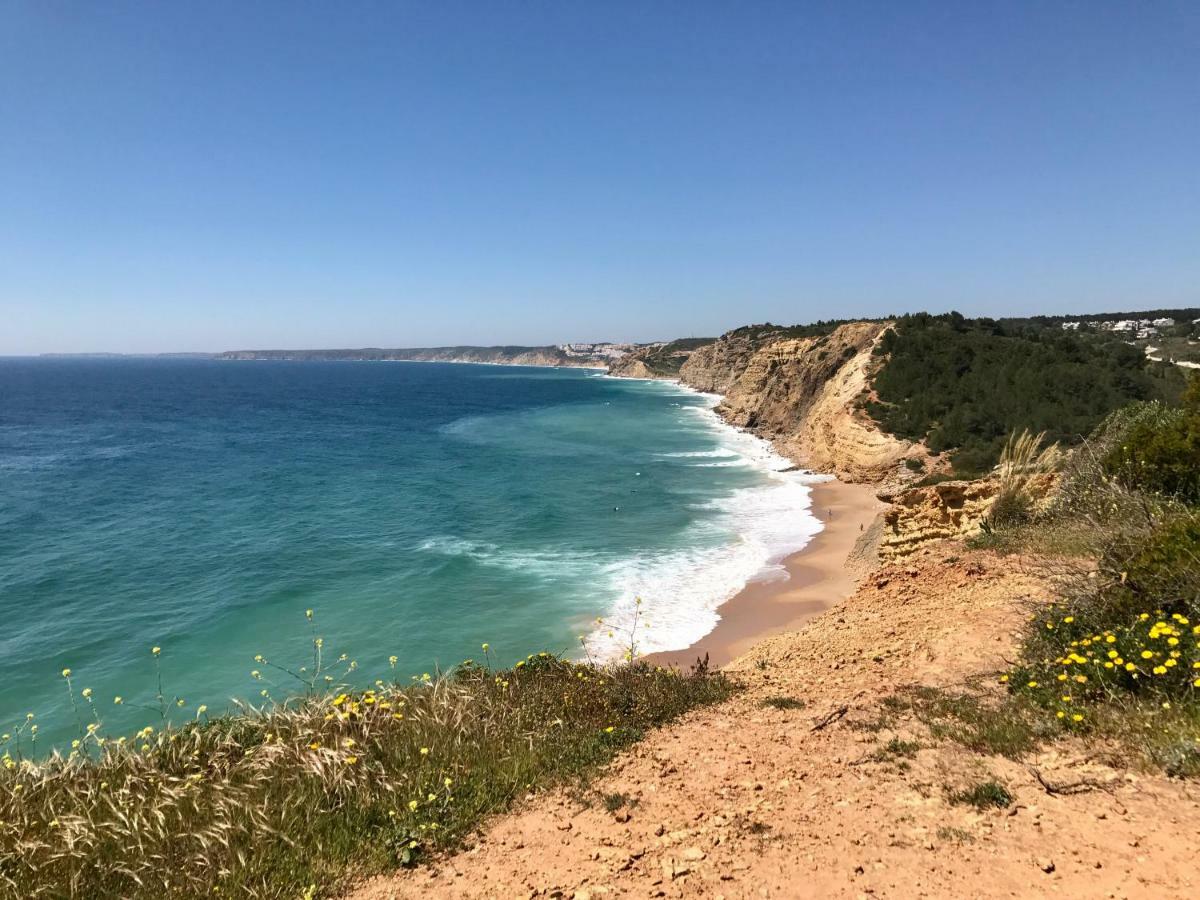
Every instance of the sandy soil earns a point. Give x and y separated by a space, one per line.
817 578
746 800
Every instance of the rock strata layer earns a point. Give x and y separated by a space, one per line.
803 394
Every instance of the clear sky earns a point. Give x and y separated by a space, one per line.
209 176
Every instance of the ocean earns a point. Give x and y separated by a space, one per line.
418 509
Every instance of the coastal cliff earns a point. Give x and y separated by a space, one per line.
801 393
660 360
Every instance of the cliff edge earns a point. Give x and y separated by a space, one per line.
801 393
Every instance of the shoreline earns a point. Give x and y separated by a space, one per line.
817 579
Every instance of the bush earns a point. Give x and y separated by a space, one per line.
986 795
1021 462
1160 452
1134 631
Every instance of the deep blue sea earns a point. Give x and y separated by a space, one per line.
418 509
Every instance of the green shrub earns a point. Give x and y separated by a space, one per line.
1133 631
1161 571
986 795
1160 454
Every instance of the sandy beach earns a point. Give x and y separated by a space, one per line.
817 579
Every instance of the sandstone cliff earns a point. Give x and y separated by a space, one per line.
802 393
950 510
663 360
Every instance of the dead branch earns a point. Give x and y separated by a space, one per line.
830 718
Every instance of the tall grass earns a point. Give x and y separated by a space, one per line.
285 801
1021 461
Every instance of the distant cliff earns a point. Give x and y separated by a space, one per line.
662 360
506 356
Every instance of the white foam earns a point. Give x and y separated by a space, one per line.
682 590
551 564
699 454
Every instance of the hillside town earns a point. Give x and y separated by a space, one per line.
599 349
1139 329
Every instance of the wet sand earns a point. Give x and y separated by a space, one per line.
817 578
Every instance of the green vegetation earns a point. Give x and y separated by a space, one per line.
964 385
615 801
767 332
668 359
1160 451
1117 654
1010 727
987 794
895 749
282 802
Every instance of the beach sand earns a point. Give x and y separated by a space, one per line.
817 578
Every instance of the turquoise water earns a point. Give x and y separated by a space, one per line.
418 509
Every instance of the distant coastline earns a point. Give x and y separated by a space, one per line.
583 355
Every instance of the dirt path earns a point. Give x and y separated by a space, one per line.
747 800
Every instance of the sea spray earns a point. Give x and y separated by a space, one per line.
758 526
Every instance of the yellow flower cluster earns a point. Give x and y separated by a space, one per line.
1156 653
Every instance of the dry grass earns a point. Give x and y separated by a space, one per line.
1020 462
281 802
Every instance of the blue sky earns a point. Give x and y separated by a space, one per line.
208 176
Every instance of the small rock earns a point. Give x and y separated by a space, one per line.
1046 865
695 854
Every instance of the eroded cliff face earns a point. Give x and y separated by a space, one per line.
950 510
803 395
662 360
718 366
631 367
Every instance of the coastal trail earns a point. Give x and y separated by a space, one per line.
812 783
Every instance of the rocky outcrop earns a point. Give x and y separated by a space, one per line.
716 367
950 510
663 360
631 367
